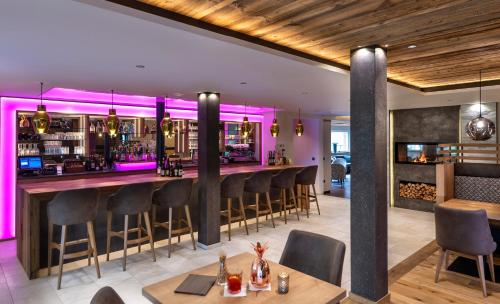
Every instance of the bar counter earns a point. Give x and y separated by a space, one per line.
31 211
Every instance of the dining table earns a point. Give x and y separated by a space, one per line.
303 288
492 209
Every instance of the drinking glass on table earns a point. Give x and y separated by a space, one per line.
234 280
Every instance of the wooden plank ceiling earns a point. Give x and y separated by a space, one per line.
453 38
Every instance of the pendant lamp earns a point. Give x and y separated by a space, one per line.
245 128
167 124
41 119
275 128
480 128
299 127
112 121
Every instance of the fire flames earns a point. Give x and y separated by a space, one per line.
421 159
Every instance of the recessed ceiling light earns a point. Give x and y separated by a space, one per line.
305 93
386 45
359 46
178 94
412 46
140 66
243 82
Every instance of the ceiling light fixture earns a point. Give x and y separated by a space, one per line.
112 121
140 66
480 128
245 127
41 119
167 124
412 46
275 127
299 127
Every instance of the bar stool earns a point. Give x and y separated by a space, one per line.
304 180
285 181
134 199
260 183
174 194
73 207
233 186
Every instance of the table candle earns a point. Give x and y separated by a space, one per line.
283 280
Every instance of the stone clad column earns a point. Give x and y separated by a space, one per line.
208 169
369 174
160 138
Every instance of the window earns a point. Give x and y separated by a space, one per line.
341 138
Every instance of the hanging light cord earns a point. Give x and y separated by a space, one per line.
41 92
166 103
480 97
112 98
274 112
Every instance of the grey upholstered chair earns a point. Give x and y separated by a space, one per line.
133 199
106 295
233 186
314 254
305 179
284 181
72 207
174 194
260 183
339 170
466 232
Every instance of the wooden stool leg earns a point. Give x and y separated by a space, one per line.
492 267
169 230
229 219
295 204
257 210
153 221
480 268
108 233
150 234
49 256
125 240
283 202
190 225
242 212
439 265
179 222
270 208
61 255
89 249
90 231
316 198
139 232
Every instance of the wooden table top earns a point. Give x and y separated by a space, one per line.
113 181
303 288
492 209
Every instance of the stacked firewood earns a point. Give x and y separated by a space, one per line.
417 191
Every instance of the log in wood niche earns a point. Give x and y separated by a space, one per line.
416 190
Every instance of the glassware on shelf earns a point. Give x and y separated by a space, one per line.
260 272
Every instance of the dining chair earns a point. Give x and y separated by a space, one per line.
466 232
314 254
106 295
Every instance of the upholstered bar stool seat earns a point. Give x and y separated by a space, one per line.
233 187
260 183
305 180
284 182
72 207
134 199
174 194
106 295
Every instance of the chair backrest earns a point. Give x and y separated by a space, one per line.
338 171
233 185
285 179
106 295
259 182
340 161
175 193
131 199
73 207
465 231
316 255
307 176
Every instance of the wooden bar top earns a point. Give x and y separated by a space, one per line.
114 181
492 209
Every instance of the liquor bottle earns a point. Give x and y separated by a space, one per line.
162 171
176 169
158 166
181 170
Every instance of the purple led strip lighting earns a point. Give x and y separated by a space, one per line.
8 121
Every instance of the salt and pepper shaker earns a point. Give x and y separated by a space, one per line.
283 282
221 275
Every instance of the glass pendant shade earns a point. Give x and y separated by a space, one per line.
246 128
480 128
275 128
112 123
41 120
299 128
167 125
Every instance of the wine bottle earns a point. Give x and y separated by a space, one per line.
162 171
176 169
181 170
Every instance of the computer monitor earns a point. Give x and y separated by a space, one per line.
30 162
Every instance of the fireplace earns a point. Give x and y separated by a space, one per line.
416 153
417 190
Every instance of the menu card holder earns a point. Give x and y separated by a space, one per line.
196 285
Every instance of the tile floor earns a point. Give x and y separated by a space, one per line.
408 231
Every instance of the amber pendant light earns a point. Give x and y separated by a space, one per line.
41 119
480 128
112 121
167 124
275 128
245 128
299 127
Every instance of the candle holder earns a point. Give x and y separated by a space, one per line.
283 282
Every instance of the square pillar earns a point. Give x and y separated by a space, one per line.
208 169
369 174
160 138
